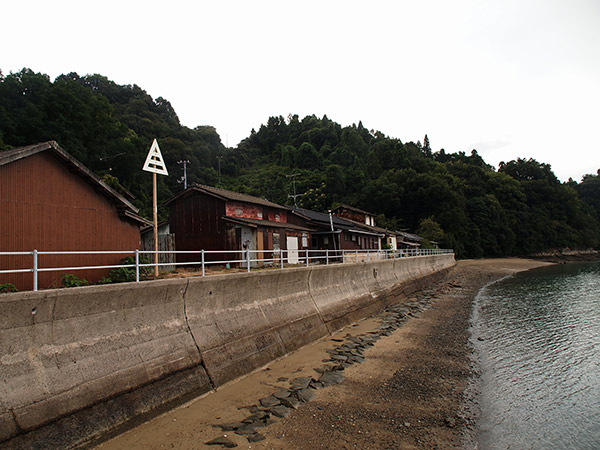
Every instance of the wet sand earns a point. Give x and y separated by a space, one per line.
408 393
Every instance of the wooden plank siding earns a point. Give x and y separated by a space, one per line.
46 206
195 221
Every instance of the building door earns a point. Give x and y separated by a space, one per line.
292 247
248 244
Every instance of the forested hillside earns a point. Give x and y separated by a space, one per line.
454 198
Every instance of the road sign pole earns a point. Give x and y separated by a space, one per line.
155 214
155 164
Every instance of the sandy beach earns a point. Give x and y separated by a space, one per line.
403 386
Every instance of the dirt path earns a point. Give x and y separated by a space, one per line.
402 387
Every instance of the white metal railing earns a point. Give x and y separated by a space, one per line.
279 258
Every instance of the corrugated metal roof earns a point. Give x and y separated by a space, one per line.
226 195
9 156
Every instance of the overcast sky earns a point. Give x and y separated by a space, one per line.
510 78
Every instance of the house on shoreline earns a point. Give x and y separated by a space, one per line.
51 202
210 218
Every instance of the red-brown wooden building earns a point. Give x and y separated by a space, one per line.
49 201
209 218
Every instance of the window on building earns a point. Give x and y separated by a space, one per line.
325 240
259 214
238 211
277 218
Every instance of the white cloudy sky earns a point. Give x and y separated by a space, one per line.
511 78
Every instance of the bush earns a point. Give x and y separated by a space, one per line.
125 274
69 280
7 287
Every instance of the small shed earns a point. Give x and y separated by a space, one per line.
49 201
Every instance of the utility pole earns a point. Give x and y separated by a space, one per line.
294 196
185 163
219 158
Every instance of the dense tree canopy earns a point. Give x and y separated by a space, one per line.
454 198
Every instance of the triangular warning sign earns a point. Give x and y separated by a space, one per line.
154 161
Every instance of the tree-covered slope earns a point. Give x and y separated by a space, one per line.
454 198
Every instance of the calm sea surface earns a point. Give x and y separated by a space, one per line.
537 339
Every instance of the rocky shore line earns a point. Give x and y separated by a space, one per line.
568 256
397 380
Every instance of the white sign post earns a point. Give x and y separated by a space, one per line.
155 164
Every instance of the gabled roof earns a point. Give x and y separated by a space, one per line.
124 207
224 194
409 236
323 218
352 208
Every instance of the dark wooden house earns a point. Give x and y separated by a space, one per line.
49 201
209 218
332 232
372 235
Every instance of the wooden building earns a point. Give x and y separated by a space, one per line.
49 201
209 218
332 232
372 235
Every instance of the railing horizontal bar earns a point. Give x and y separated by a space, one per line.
56 269
15 253
16 271
92 252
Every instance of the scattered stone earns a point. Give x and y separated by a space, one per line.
227 443
290 402
230 426
280 411
282 394
256 416
300 383
305 395
280 379
450 422
316 385
250 428
356 359
269 401
331 378
256 437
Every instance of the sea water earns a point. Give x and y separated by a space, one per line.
537 341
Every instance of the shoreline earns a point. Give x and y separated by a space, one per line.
411 391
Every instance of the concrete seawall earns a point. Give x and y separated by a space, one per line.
78 363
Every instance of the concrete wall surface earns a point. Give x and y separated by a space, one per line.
78 363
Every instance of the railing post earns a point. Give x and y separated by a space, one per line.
281 257
35 270
326 256
203 271
343 257
248 259
306 257
137 266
